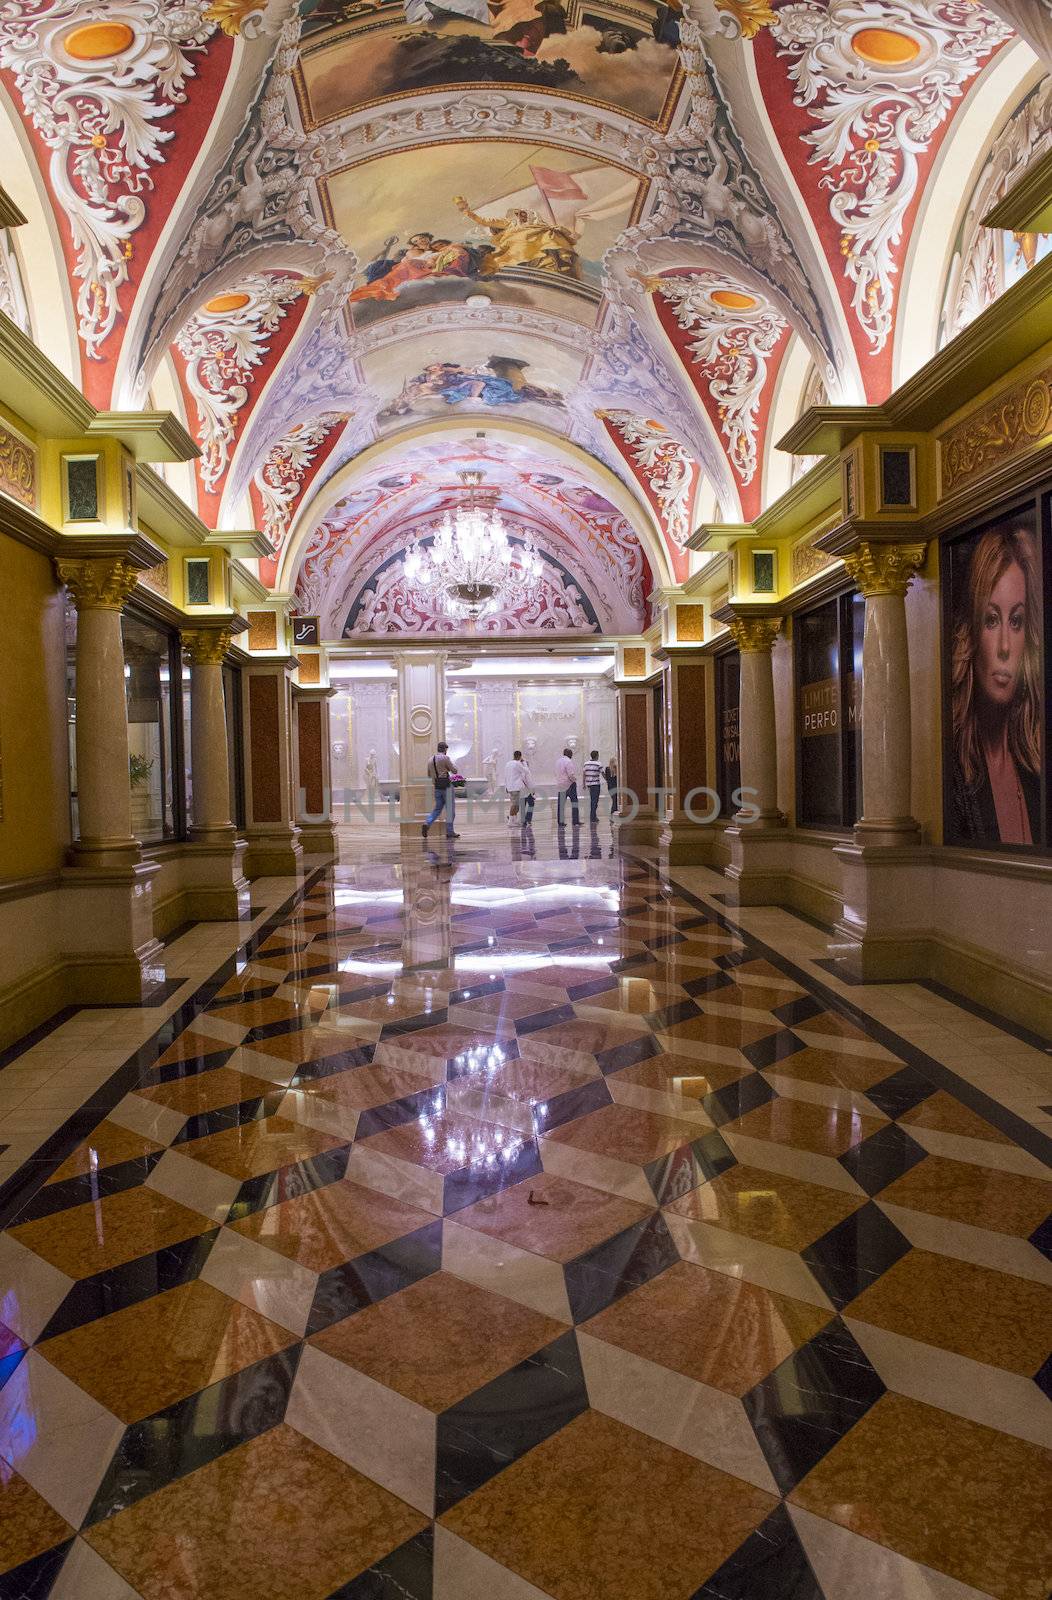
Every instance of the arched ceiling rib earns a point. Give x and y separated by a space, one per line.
353 228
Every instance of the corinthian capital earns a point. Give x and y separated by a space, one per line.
206 647
754 635
100 584
884 568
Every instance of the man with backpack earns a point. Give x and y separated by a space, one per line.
441 771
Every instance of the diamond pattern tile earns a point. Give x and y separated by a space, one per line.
447 1258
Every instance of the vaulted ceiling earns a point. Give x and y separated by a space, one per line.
605 252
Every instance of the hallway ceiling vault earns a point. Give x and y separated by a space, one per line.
607 253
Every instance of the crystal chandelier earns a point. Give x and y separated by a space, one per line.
471 568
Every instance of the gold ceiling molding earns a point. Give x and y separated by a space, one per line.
1009 424
18 468
750 15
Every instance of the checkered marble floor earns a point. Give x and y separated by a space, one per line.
511 1227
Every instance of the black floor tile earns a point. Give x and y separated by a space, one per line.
570 1105
34 1579
127 1285
689 1167
235 1116
628 1055
480 1436
190 1434
90 1186
883 1157
776 1047
900 1092
807 1405
609 1270
348 1288
405 1574
770 1565
855 1253
300 1177
735 1099
463 1188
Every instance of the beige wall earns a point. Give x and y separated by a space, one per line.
34 830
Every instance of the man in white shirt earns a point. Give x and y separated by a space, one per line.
566 779
593 782
520 797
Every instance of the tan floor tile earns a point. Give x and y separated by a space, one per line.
953 1494
207 1091
731 1032
557 1516
947 1115
443 1042
28 1525
815 1065
439 1340
635 997
563 1219
105 1233
259 1013
252 1148
109 1145
768 1206
136 1361
711 1327
505 1006
837 1027
579 1041
682 1075
331 1225
822 1130
189 1540
960 1191
191 1044
988 1316
444 1143
360 1088
625 1133
528 1081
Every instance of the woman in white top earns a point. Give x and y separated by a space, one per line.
517 783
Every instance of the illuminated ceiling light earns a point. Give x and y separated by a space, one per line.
885 47
469 568
99 41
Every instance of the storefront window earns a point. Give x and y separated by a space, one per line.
829 730
152 681
728 748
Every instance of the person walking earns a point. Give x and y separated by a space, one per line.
610 774
566 779
593 782
441 771
517 783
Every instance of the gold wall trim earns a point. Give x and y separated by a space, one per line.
1012 422
18 468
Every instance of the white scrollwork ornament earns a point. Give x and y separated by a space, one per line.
279 478
102 117
731 343
876 115
664 466
221 344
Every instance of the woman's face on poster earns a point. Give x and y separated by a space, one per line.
1002 638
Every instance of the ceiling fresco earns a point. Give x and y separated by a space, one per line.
626 244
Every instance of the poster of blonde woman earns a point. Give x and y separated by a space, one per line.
996 677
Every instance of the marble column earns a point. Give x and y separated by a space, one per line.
314 771
756 836
883 573
274 848
112 953
885 880
99 588
421 725
216 887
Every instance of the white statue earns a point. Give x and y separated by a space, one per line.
372 774
489 771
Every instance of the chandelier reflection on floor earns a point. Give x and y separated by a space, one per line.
471 568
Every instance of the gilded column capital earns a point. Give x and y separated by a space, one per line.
884 568
100 583
206 647
754 635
